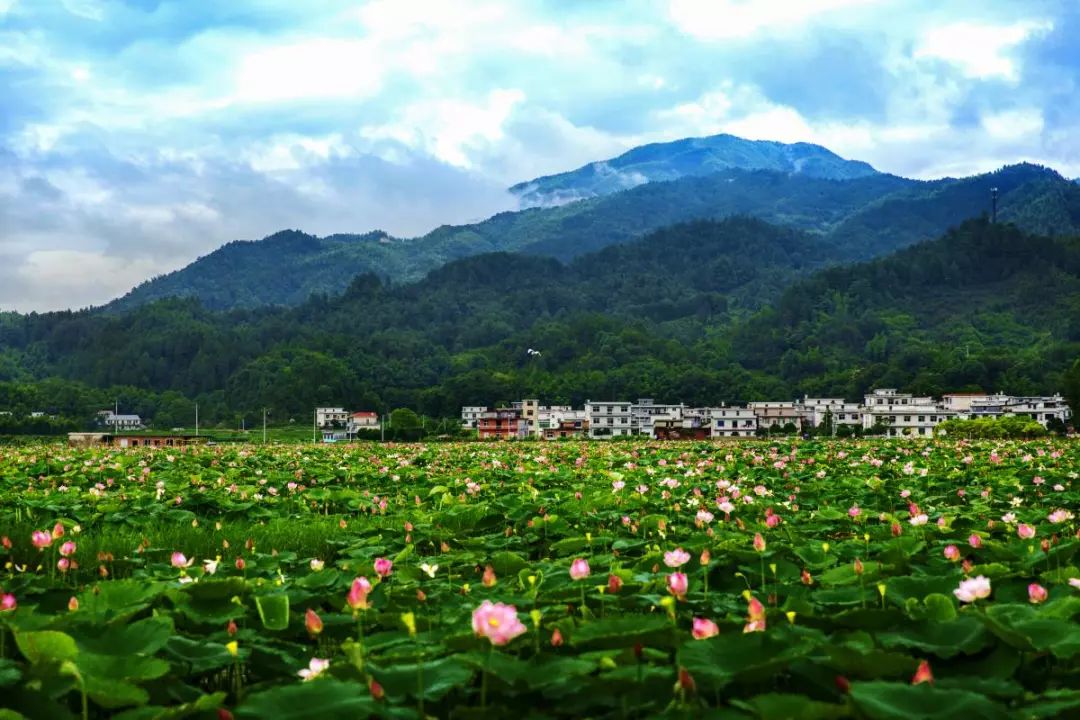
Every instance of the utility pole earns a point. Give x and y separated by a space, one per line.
264 426
993 200
314 424
196 419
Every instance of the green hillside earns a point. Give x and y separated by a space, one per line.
696 312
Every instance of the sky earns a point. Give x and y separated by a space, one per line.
138 135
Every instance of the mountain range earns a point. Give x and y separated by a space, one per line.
685 158
744 283
864 216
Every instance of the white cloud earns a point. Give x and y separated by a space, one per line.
734 19
1014 124
451 130
314 69
980 51
86 9
73 278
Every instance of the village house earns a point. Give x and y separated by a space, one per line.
836 410
681 426
645 410
331 417
608 419
1041 409
902 414
502 424
470 416
363 420
732 421
777 414
117 422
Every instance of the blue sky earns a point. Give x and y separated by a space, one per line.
138 135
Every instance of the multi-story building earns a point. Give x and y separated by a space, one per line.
962 402
903 415
502 424
113 421
569 425
608 419
327 417
363 420
554 416
732 421
645 410
1040 409
836 410
779 414
684 427
470 415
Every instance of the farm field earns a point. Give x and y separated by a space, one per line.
861 579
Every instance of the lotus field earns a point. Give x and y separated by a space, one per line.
885 579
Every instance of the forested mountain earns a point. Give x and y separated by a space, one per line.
682 158
696 312
863 217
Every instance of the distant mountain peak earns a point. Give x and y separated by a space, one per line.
657 162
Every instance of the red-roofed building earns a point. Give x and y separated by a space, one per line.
363 420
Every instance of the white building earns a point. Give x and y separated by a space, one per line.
120 422
644 411
608 419
840 412
470 414
779 413
962 402
331 416
903 415
363 420
732 421
1038 408
552 416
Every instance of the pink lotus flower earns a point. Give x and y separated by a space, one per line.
178 560
972 589
73 604
920 519
923 674
755 616
383 567
579 569
676 558
704 628
759 542
1060 516
315 668
975 541
952 553
357 598
497 622
556 638
312 622
854 511
7 602
677 584
1036 593
41 539
64 564
67 549
1025 531
57 531
1074 582
772 521
614 584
